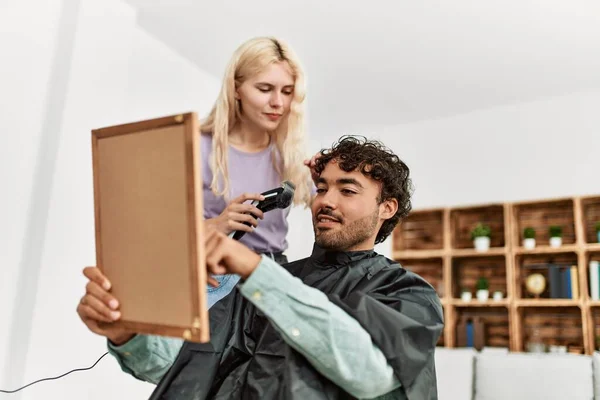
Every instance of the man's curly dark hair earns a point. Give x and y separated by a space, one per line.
376 161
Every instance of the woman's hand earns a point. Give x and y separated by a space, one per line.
310 163
236 213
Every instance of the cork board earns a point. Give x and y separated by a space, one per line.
148 216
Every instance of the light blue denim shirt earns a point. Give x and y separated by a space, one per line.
226 284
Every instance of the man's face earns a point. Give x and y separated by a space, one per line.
346 214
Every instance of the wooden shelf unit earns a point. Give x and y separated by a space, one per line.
436 244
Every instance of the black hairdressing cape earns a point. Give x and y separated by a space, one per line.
248 359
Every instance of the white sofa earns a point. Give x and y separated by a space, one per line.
466 374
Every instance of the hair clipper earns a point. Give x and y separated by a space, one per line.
280 197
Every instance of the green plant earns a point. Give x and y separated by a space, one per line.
481 230
555 231
482 284
529 233
598 226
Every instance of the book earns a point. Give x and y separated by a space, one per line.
594 283
574 282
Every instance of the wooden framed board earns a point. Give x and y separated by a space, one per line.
148 217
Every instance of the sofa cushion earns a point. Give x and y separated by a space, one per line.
596 364
454 371
523 376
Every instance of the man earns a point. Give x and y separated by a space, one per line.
343 323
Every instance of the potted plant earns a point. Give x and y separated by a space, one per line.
529 238
481 237
598 231
482 287
465 294
555 236
498 295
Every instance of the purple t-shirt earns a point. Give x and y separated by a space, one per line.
248 173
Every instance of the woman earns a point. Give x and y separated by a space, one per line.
251 141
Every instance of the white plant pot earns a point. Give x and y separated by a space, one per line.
529 243
498 296
555 241
483 295
482 243
466 296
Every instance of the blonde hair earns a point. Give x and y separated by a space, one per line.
249 59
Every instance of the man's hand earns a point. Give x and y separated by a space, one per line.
99 306
228 256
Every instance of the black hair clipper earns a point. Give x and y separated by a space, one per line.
280 197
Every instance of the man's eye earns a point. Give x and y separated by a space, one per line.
321 190
347 191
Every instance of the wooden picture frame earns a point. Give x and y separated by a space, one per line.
148 218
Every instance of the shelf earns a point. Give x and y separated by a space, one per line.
552 326
493 251
437 245
571 248
595 327
491 327
591 215
540 216
553 267
545 201
466 271
421 230
463 220
430 269
417 254
592 247
548 303
477 303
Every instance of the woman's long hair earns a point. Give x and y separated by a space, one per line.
249 59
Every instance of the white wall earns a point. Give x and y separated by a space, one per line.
27 80
115 73
535 150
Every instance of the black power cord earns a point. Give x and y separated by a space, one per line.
57 377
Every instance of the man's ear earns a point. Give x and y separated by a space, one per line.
388 208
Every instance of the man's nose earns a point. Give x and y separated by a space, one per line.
329 200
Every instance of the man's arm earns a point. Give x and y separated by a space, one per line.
146 357
149 357
331 340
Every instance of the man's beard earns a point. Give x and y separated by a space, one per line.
347 236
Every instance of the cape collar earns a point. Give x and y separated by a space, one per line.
321 256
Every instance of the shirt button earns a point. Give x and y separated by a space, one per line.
127 354
295 332
257 295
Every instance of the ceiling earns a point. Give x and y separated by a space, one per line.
380 63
